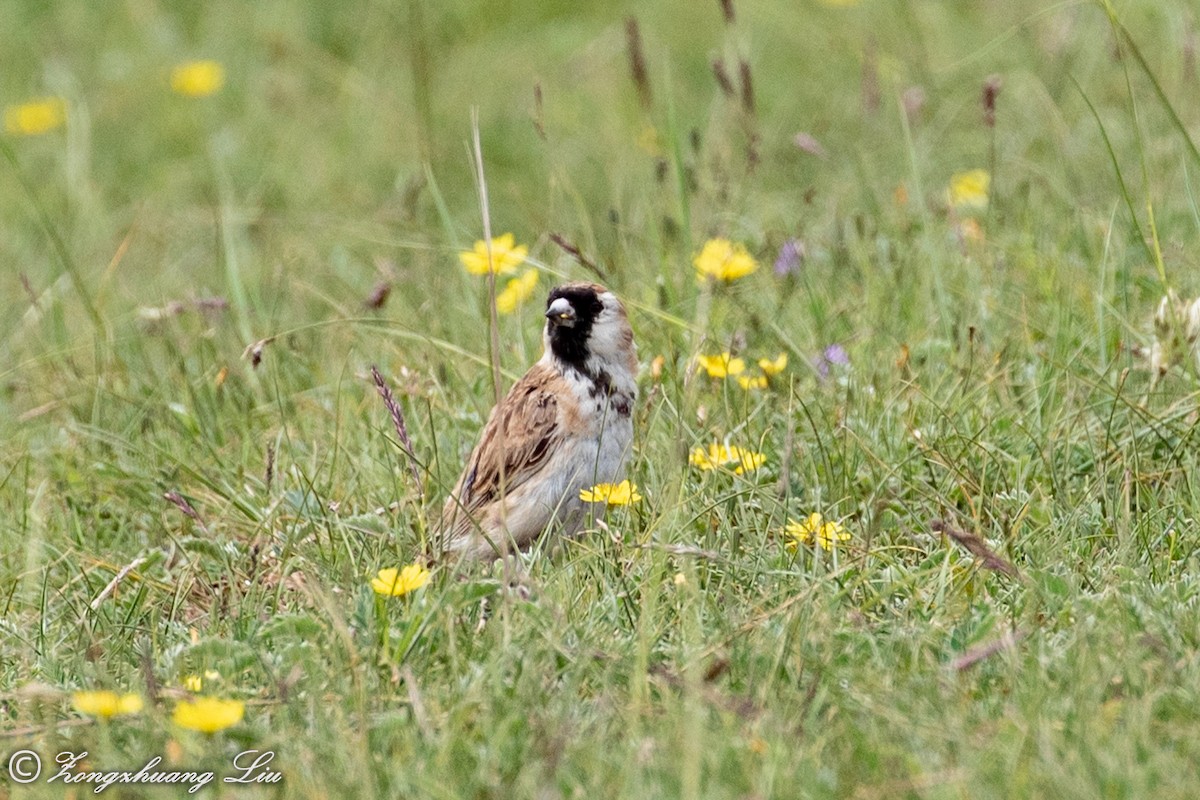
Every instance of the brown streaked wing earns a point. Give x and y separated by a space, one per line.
528 418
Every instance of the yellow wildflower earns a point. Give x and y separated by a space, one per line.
197 78
826 533
719 455
723 260
505 256
968 190
722 365
749 382
680 579
749 461
773 366
194 683
394 582
105 704
35 117
516 292
615 494
208 714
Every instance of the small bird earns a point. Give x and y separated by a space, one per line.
566 425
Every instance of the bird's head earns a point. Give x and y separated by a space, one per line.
586 325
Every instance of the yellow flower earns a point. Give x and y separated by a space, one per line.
208 714
35 117
197 78
773 366
827 533
505 257
516 292
105 704
394 582
719 455
721 366
723 260
615 494
749 382
194 683
969 190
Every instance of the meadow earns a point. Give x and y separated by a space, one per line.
952 225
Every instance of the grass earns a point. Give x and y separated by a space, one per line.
994 385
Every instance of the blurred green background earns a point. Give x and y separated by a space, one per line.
340 141
319 143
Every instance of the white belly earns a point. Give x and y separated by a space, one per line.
597 455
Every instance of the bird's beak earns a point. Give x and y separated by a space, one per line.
560 312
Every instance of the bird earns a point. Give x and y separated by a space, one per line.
565 426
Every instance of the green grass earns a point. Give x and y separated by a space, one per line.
995 385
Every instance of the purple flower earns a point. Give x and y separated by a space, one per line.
833 354
836 354
790 259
